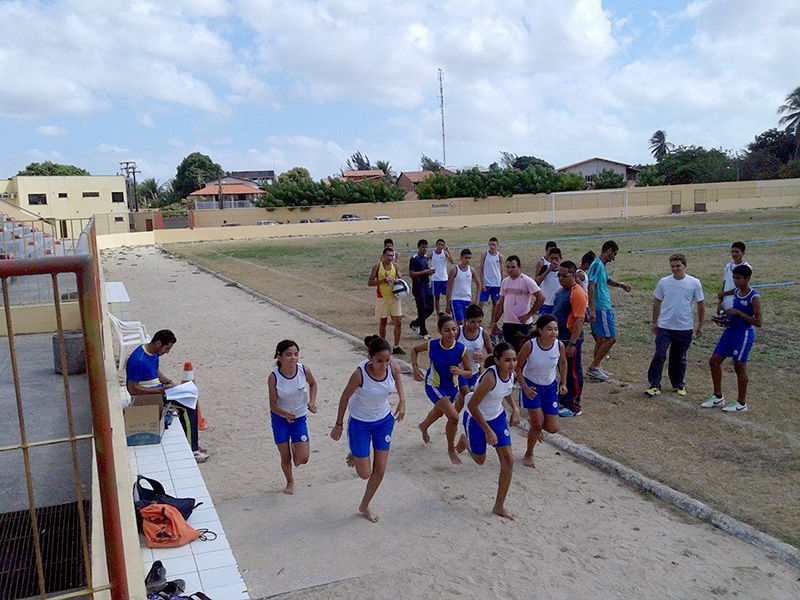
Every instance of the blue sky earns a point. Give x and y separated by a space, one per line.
262 84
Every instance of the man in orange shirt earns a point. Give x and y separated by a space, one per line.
569 308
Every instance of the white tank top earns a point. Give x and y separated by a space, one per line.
462 285
550 285
292 392
542 365
370 401
491 270
439 263
472 346
491 406
584 282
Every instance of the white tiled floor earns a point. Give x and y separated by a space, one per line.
207 566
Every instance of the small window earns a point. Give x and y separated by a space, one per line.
62 194
91 194
117 197
118 219
37 198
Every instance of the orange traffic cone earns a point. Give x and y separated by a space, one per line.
188 375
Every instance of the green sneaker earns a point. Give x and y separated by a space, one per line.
680 391
712 402
652 392
735 407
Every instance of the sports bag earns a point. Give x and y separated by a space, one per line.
157 494
164 527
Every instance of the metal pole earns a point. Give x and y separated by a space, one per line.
441 108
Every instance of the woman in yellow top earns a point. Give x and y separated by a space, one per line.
383 276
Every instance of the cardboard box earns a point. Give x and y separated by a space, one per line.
144 420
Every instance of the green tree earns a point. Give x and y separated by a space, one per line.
427 163
193 173
649 175
659 146
695 164
152 193
387 169
608 179
51 168
293 174
357 162
513 161
790 110
760 164
791 170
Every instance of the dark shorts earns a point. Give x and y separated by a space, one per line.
283 431
490 292
476 437
736 344
362 433
439 288
546 398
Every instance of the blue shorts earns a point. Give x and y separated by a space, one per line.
459 308
546 309
604 325
439 288
361 433
437 393
476 438
468 381
492 292
546 398
283 431
736 343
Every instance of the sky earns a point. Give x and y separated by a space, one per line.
269 84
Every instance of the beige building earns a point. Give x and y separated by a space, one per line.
592 167
73 197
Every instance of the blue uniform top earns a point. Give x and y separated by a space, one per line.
599 277
746 306
142 368
439 375
419 263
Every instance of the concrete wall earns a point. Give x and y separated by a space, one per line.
41 318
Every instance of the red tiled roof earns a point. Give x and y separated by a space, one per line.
227 189
416 176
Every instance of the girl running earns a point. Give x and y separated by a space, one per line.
542 358
292 394
371 419
485 419
449 360
476 340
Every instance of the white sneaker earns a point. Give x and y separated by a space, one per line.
604 372
735 407
712 402
200 457
597 374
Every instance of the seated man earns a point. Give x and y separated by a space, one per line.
144 377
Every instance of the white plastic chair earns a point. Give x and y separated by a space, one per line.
130 334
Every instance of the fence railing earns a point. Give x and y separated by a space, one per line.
35 555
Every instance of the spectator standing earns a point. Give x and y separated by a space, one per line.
420 271
516 292
569 309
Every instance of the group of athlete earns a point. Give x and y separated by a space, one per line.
475 370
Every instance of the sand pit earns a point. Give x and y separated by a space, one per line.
579 533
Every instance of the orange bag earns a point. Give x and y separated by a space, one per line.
164 527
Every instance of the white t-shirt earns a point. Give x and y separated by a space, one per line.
677 299
727 301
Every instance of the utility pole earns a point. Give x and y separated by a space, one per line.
441 108
129 168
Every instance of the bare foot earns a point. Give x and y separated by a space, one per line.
501 511
289 489
461 445
528 461
350 460
364 510
425 437
454 457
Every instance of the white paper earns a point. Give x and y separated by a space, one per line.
185 393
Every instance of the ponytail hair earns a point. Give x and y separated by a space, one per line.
497 352
282 347
542 322
376 344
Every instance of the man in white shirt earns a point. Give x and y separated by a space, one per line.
673 324
725 297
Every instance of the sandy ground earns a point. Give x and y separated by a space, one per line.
578 533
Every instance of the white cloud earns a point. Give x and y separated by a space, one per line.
37 155
147 121
51 131
109 149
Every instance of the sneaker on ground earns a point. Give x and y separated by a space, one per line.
200 457
565 413
425 336
712 402
398 350
735 407
610 375
680 391
652 391
597 374
414 327
156 579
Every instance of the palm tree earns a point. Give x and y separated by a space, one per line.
151 191
659 145
387 169
791 117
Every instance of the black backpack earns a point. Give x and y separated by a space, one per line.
143 496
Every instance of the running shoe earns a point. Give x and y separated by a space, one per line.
735 407
398 350
565 413
652 391
598 374
414 327
156 579
200 457
712 402
610 375
425 337
680 391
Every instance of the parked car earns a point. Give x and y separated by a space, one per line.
268 222
351 218
226 224
304 221
323 220
382 218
